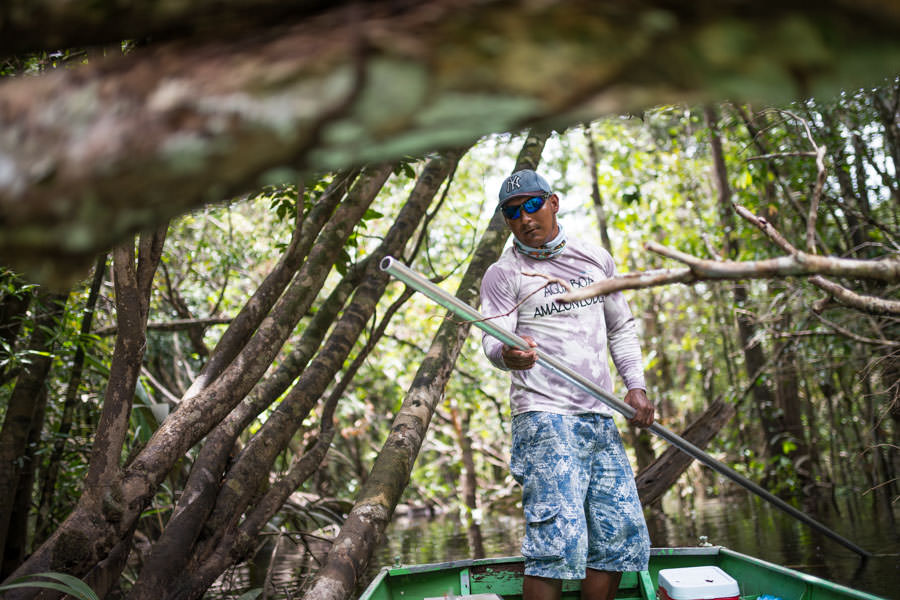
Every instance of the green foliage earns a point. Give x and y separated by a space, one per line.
32 64
655 178
66 584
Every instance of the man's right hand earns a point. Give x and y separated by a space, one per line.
519 360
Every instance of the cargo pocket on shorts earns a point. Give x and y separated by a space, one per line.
543 535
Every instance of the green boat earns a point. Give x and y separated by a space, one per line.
493 578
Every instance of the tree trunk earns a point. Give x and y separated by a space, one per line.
302 467
595 188
13 310
659 378
468 483
175 546
639 438
353 547
17 533
754 357
887 103
790 406
171 551
44 521
97 518
22 411
250 471
857 240
133 284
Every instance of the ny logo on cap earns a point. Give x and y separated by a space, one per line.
513 183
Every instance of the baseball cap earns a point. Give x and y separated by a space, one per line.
522 183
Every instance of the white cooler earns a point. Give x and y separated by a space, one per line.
696 583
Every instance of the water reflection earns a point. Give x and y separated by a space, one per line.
754 527
745 524
445 537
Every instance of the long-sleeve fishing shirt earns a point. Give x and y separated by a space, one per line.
580 334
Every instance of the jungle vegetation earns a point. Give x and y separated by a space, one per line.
197 349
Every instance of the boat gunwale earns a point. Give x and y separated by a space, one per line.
470 562
807 578
397 570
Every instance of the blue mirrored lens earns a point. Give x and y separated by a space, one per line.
511 212
532 205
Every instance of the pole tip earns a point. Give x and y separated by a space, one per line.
385 263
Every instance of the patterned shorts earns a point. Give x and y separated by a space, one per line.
581 503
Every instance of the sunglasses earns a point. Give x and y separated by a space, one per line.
532 205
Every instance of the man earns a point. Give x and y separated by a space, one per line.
582 512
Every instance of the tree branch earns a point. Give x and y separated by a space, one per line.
133 287
210 117
174 325
700 269
869 304
797 263
781 155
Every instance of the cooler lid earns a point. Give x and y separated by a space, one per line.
698 583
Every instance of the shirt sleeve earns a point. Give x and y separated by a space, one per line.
498 303
624 346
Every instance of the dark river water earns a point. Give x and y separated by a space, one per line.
742 522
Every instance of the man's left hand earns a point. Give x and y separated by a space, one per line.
643 409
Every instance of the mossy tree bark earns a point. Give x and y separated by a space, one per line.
244 490
93 153
104 518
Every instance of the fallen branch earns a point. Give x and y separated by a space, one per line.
795 263
700 269
869 304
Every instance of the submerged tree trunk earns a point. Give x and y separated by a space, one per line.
656 479
365 525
